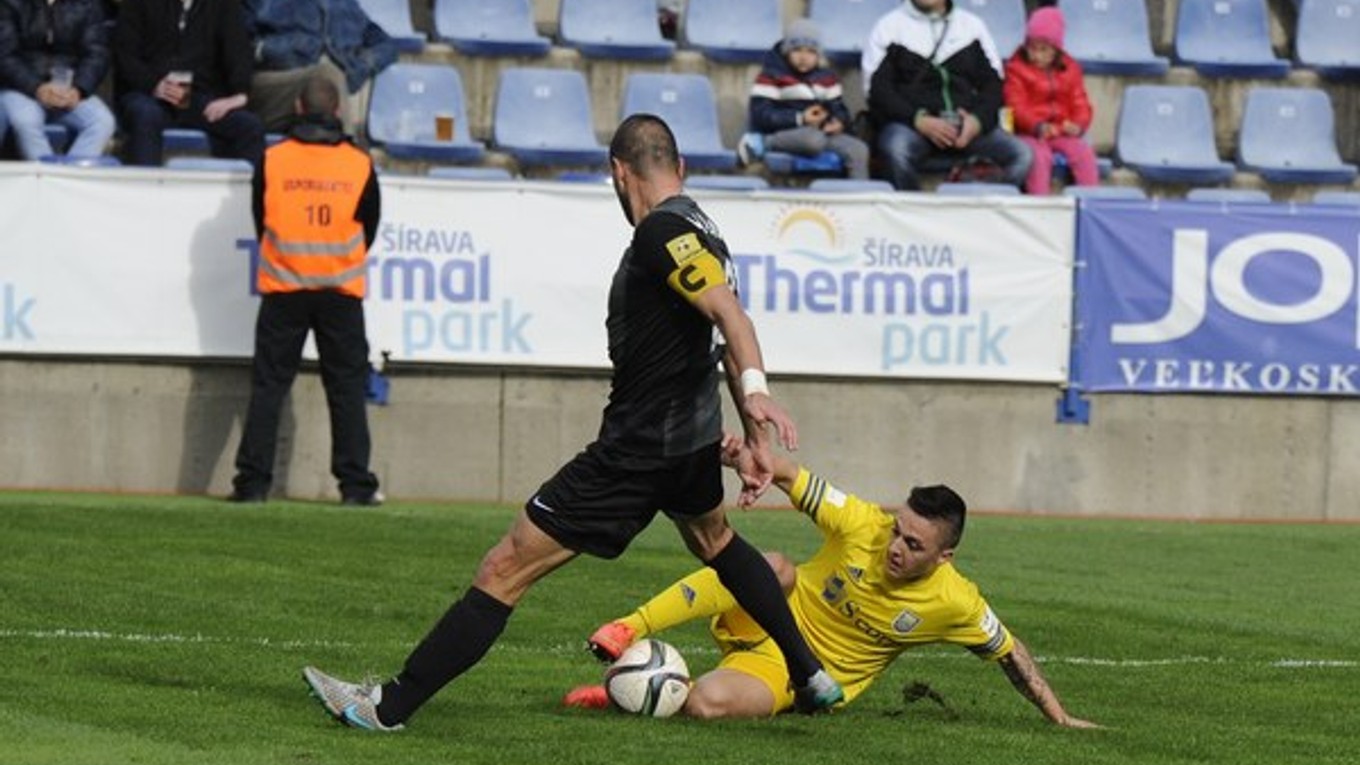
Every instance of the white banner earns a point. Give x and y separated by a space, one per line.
158 263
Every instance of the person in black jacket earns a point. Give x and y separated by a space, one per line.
53 56
934 80
185 63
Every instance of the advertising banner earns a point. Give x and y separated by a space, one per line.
1199 297
159 263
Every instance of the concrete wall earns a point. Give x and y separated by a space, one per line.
468 434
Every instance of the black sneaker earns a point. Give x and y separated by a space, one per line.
363 500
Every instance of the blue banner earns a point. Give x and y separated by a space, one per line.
1202 297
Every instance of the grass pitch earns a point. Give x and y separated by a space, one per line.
172 630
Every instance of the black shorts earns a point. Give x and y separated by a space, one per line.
602 499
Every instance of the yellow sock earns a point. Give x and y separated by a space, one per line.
697 596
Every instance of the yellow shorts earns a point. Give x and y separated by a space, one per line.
747 649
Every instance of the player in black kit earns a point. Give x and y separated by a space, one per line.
657 449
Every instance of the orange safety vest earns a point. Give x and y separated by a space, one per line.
311 239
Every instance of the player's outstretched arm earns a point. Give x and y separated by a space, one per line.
1024 674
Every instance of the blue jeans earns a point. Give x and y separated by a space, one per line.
907 150
91 120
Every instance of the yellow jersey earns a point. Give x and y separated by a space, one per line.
857 620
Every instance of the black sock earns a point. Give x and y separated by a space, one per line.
458 641
748 576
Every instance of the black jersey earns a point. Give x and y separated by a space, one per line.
664 398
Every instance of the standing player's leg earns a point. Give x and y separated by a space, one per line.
458 640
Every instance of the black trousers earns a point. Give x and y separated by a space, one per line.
280 331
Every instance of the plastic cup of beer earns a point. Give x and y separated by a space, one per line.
443 127
63 76
185 79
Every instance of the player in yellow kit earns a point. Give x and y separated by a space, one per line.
882 582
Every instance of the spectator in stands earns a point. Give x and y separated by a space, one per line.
184 63
53 56
1047 97
295 39
935 91
796 105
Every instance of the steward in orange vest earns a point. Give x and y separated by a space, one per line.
316 203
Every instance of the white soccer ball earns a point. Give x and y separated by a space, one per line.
650 678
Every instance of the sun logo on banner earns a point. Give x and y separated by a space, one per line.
811 232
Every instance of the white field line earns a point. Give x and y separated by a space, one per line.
575 648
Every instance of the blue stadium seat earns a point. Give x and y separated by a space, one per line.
1111 37
845 25
977 190
1289 136
543 117
185 140
688 104
732 31
826 163
394 16
584 176
727 182
1166 134
58 136
1226 196
1105 192
103 160
1005 21
1327 37
489 27
214 164
619 29
848 185
1227 38
466 173
1345 198
401 113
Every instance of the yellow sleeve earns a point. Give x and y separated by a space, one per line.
980 631
833 510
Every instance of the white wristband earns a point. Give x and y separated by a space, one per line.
753 381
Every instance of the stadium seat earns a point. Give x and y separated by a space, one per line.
845 25
826 163
1005 20
619 29
584 176
394 16
1111 37
688 104
1105 192
466 173
103 160
58 136
214 164
1166 134
1345 198
543 117
1227 38
727 182
1234 196
1289 136
1327 38
848 185
732 31
185 140
489 27
977 190
401 113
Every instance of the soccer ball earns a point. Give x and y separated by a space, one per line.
650 678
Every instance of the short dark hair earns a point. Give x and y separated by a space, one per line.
319 95
645 143
940 503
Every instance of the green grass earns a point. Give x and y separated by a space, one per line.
172 630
